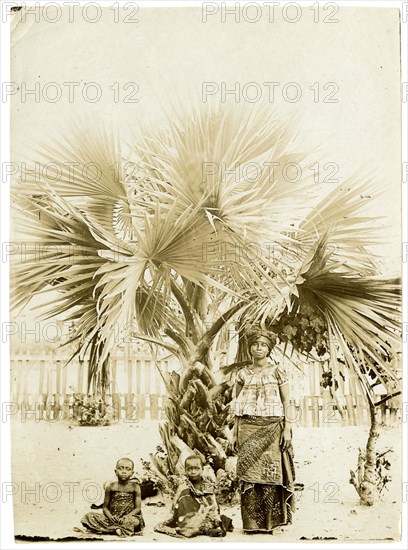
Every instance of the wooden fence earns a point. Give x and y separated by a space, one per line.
44 388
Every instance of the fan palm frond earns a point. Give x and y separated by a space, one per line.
362 311
60 252
227 160
343 215
88 168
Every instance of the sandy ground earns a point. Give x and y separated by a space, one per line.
59 471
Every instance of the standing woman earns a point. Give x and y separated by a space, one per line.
262 435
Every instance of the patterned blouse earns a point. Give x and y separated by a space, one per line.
260 391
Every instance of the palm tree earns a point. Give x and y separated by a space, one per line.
190 232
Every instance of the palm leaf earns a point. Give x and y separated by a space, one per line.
87 168
195 160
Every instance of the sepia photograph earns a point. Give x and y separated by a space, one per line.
203 249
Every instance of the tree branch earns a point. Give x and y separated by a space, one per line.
185 343
152 340
208 337
386 398
190 324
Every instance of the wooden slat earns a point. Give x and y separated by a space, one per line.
148 375
80 383
359 400
312 378
40 399
13 379
130 407
48 407
306 412
128 368
138 377
318 378
85 375
350 410
64 378
117 407
315 405
393 416
49 381
58 377
330 417
154 407
57 407
114 381
65 406
140 407
75 410
26 375
41 380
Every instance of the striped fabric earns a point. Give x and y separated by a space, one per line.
260 391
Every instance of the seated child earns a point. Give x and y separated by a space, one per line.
121 507
195 509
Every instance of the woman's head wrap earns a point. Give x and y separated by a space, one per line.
255 333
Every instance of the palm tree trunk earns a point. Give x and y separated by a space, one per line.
366 484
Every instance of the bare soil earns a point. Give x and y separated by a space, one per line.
60 469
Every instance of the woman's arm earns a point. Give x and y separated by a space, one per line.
289 418
237 390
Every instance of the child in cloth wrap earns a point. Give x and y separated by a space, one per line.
195 509
262 435
121 507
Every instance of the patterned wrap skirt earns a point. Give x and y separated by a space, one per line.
266 474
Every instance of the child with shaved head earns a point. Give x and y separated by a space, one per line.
121 507
195 509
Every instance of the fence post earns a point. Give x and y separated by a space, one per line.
385 412
329 414
49 407
154 406
65 407
395 407
25 375
128 368
117 407
75 409
140 397
130 407
154 396
41 380
64 379
350 410
114 384
305 416
140 407
148 383
80 383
